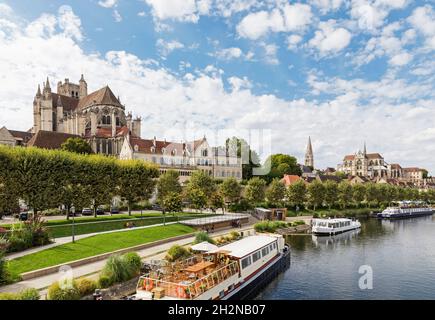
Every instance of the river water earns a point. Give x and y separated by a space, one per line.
400 253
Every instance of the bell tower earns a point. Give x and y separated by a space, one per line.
309 157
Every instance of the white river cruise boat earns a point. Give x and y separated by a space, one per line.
233 271
406 209
333 226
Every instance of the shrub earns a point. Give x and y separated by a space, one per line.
8 296
86 286
268 226
134 262
104 281
117 269
63 292
203 236
4 273
177 252
29 294
234 235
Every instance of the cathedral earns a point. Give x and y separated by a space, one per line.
99 117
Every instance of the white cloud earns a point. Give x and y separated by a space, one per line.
330 38
270 53
181 10
326 6
423 19
117 16
381 112
232 53
401 59
141 14
293 41
285 18
108 3
166 47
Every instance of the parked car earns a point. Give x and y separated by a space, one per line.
157 207
87 212
24 216
100 211
114 210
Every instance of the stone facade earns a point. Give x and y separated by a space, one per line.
184 157
99 117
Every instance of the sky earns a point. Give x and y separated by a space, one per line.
340 71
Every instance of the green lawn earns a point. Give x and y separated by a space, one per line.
94 246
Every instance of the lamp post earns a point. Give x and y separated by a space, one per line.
73 211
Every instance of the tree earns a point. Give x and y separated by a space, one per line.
275 192
168 183
281 164
371 194
135 180
297 193
216 201
358 193
77 145
344 193
197 198
202 181
255 190
172 202
316 194
331 193
230 190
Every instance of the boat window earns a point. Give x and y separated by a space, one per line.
274 245
246 262
265 251
256 256
221 294
271 247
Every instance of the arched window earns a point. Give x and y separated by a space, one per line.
109 147
105 119
118 122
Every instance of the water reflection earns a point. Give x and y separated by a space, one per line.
342 238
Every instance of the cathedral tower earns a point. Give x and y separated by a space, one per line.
309 157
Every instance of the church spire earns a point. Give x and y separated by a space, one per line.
309 156
365 149
47 85
38 93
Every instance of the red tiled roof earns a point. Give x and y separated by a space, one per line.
145 146
349 157
68 103
368 155
49 139
289 179
106 132
396 166
412 169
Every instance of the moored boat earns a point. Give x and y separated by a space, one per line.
406 209
233 271
333 226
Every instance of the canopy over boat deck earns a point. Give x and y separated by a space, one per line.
218 221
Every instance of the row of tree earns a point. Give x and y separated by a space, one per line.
47 179
203 191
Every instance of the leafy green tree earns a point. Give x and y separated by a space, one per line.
281 164
358 193
230 190
255 190
135 180
216 201
331 193
316 194
344 194
297 193
173 202
372 194
197 198
202 181
275 192
168 183
77 145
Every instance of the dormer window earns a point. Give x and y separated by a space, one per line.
153 149
205 153
136 148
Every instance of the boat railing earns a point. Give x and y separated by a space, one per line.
185 290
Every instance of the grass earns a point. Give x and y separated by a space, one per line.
94 245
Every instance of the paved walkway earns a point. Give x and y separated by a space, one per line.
91 269
64 240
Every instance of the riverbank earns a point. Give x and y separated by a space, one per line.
337 213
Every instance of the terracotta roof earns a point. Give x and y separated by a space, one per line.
68 103
349 157
102 96
412 169
145 146
374 156
23 135
106 132
396 166
49 139
289 179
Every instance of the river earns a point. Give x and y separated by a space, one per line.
400 253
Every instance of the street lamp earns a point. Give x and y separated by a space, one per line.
73 211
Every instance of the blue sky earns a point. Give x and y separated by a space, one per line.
342 71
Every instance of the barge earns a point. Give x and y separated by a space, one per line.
234 271
406 209
333 226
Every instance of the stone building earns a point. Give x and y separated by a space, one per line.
184 157
309 156
99 117
14 138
